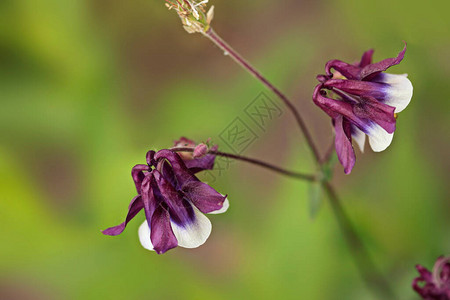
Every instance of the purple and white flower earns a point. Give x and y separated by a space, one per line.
434 285
361 100
174 201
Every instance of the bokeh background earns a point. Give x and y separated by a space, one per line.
87 87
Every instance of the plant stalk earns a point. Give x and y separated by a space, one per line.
227 49
301 176
365 265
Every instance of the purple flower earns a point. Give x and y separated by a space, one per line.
174 201
436 285
361 100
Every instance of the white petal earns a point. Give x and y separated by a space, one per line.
226 205
144 236
193 235
359 137
399 92
379 139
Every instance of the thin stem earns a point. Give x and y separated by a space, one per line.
302 176
216 39
367 268
364 263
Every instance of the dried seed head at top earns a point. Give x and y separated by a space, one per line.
193 14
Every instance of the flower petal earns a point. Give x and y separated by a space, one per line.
359 88
204 197
138 175
167 172
343 143
149 157
162 236
335 108
425 277
181 211
375 111
364 113
149 200
348 70
144 236
399 90
366 58
359 137
379 139
328 105
135 206
381 66
194 234
180 170
226 205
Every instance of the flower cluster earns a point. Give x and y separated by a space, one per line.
193 14
361 100
174 201
436 284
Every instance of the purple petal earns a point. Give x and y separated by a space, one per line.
425 277
161 235
321 101
138 175
135 206
182 173
343 143
148 197
424 273
366 58
149 157
373 69
335 108
348 70
181 211
204 197
168 174
417 288
380 113
359 88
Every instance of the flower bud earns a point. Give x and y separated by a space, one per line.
200 150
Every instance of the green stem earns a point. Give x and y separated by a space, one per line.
369 272
216 39
301 176
367 268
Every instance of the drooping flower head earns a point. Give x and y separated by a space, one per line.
434 285
174 201
193 14
362 100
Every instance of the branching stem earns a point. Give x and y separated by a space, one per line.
367 268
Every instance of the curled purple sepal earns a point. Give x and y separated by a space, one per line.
135 206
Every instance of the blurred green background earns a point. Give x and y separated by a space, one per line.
87 87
